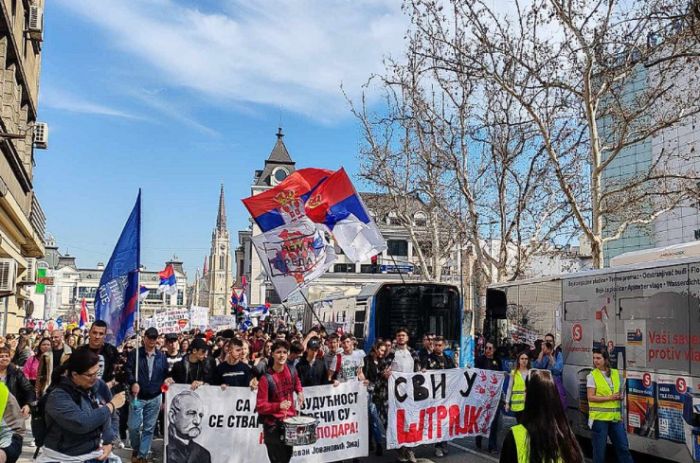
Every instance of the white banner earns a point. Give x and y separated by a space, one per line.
441 405
211 425
199 316
169 320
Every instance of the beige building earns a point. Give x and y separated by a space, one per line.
22 221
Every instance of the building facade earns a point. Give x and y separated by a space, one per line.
22 220
69 285
673 150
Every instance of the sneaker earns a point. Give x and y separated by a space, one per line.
439 453
411 456
32 443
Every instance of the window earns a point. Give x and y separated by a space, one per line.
271 296
344 268
221 263
420 219
87 293
154 295
397 247
180 297
392 219
366 268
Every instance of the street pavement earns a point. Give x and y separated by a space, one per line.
459 451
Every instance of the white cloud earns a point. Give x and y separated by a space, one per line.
56 98
293 55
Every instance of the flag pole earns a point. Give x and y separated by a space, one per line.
138 296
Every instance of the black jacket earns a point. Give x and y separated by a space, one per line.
19 386
184 372
110 354
312 375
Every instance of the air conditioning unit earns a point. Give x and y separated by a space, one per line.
36 22
29 276
8 275
41 135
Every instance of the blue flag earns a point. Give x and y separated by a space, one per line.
117 296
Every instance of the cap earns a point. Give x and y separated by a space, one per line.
198 344
171 337
314 343
151 333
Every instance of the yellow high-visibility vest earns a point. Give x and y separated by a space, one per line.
522 444
517 393
610 410
4 395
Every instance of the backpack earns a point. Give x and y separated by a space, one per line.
272 387
40 429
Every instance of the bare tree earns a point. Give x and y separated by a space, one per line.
594 80
470 154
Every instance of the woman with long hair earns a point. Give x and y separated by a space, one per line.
544 434
31 367
517 385
375 368
78 416
604 386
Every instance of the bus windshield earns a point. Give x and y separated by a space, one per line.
422 308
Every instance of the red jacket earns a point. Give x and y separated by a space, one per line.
268 406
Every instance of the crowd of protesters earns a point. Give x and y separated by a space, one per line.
88 396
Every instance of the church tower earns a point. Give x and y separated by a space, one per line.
220 270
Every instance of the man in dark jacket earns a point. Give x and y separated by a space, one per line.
194 368
152 373
311 369
107 353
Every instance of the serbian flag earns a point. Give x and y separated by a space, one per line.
143 293
83 314
285 202
167 281
336 204
234 298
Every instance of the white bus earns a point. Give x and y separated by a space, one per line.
648 317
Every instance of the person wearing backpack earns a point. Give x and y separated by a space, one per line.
275 402
78 420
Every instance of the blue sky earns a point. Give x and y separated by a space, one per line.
177 97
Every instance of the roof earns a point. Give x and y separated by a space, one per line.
279 157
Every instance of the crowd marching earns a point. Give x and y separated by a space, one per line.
86 396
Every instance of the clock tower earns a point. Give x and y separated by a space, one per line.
220 271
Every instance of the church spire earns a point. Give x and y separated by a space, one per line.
221 217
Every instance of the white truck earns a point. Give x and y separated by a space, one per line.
648 317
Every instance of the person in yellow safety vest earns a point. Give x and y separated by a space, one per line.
544 434
604 385
11 426
515 396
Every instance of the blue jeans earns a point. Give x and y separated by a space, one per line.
142 422
601 430
375 423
